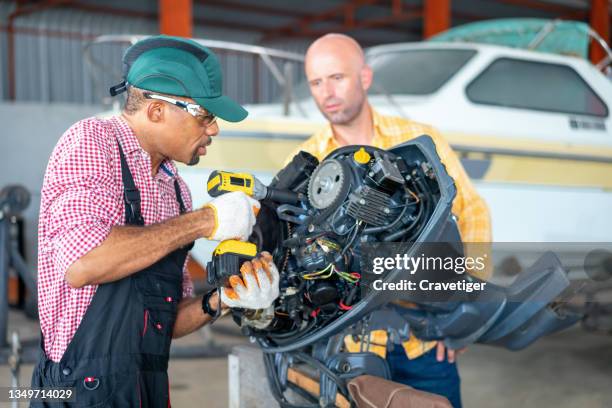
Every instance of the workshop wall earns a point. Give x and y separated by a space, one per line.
29 133
49 64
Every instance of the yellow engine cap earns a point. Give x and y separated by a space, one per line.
361 156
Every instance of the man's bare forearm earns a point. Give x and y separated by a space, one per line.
129 249
190 316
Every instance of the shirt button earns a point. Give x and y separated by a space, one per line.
66 371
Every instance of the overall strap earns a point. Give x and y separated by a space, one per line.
131 195
179 198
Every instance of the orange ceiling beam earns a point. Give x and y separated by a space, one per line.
176 17
436 17
600 22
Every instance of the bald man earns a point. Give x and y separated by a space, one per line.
339 79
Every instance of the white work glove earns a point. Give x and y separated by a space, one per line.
257 288
234 216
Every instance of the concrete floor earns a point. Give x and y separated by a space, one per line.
566 370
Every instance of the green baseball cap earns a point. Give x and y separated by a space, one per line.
180 67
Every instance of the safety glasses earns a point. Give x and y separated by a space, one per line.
195 110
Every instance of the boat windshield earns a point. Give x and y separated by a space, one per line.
416 72
409 72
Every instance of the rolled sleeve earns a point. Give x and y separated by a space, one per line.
83 201
75 242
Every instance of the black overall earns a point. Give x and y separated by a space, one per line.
119 354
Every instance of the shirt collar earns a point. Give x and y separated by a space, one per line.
125 135
168 168
326 135
131 146
380 131
376 118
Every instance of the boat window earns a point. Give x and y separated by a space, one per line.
516 83
416 72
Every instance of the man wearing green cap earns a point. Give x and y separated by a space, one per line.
116 225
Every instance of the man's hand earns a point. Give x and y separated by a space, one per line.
451 354
234 215
257 288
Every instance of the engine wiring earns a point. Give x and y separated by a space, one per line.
322 274
329 271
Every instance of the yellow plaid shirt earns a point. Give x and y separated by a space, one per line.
470 209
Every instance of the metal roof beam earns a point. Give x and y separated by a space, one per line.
253 8
600 22
436 17
198 21
559 10
304 27
176 17
301 25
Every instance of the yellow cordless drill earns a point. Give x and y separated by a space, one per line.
221 182
227 258
229 255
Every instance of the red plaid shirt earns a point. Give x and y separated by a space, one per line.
81 199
